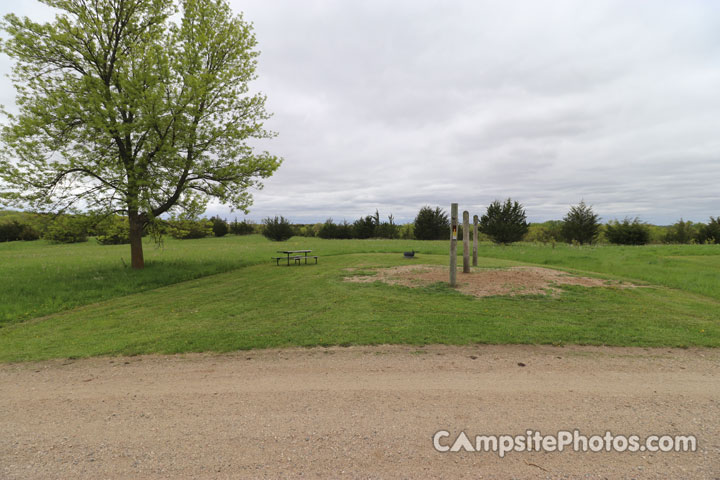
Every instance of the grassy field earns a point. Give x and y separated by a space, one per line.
223 294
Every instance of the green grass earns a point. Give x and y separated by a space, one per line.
38 278
692 268
224 294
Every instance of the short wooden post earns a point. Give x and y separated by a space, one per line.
475 239
466 242
453 243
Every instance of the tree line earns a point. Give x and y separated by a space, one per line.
110 229
503 223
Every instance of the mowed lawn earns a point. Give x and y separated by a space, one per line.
224 294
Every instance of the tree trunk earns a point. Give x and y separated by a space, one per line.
136 249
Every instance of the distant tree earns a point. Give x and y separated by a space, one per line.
135 107
14 230
387 229
113 230
627 232
10 231
581 224
277 229
187 228
364 227
504 222
680 232
432 224
306 230
344 230
220 227
67 229
546 232
328 229
710 233
407 231
242 228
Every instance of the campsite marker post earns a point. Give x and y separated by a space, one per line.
466 242
475 239
453 243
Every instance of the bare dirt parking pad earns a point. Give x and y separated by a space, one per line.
359 412
484 282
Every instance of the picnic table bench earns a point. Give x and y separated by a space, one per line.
293 255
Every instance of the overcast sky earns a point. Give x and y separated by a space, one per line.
397 104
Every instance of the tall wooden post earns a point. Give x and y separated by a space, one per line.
466 242
475 239
453 243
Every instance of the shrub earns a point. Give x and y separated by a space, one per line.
504 222
67 229
547 232
364 227
185 228
328 229
680 232
277 229
627 232
344 230
10 231
306 230
113 231
28 233
242 228
14 230
407 231
219 227
431 224
581 225
296 229
709 233
387 230
657 233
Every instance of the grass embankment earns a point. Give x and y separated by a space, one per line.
176 304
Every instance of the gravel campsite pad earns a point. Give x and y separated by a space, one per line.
356 412
483 282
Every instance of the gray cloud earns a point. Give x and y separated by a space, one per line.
394 105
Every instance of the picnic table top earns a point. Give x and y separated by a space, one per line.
294 251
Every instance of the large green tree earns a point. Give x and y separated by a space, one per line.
431 224
504 222
710 233
138 107
581 224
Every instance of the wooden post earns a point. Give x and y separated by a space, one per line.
453 243
475 239
466 242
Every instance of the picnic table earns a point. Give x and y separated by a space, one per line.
295 256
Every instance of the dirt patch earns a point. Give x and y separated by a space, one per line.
486 282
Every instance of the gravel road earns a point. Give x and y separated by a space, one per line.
358 412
